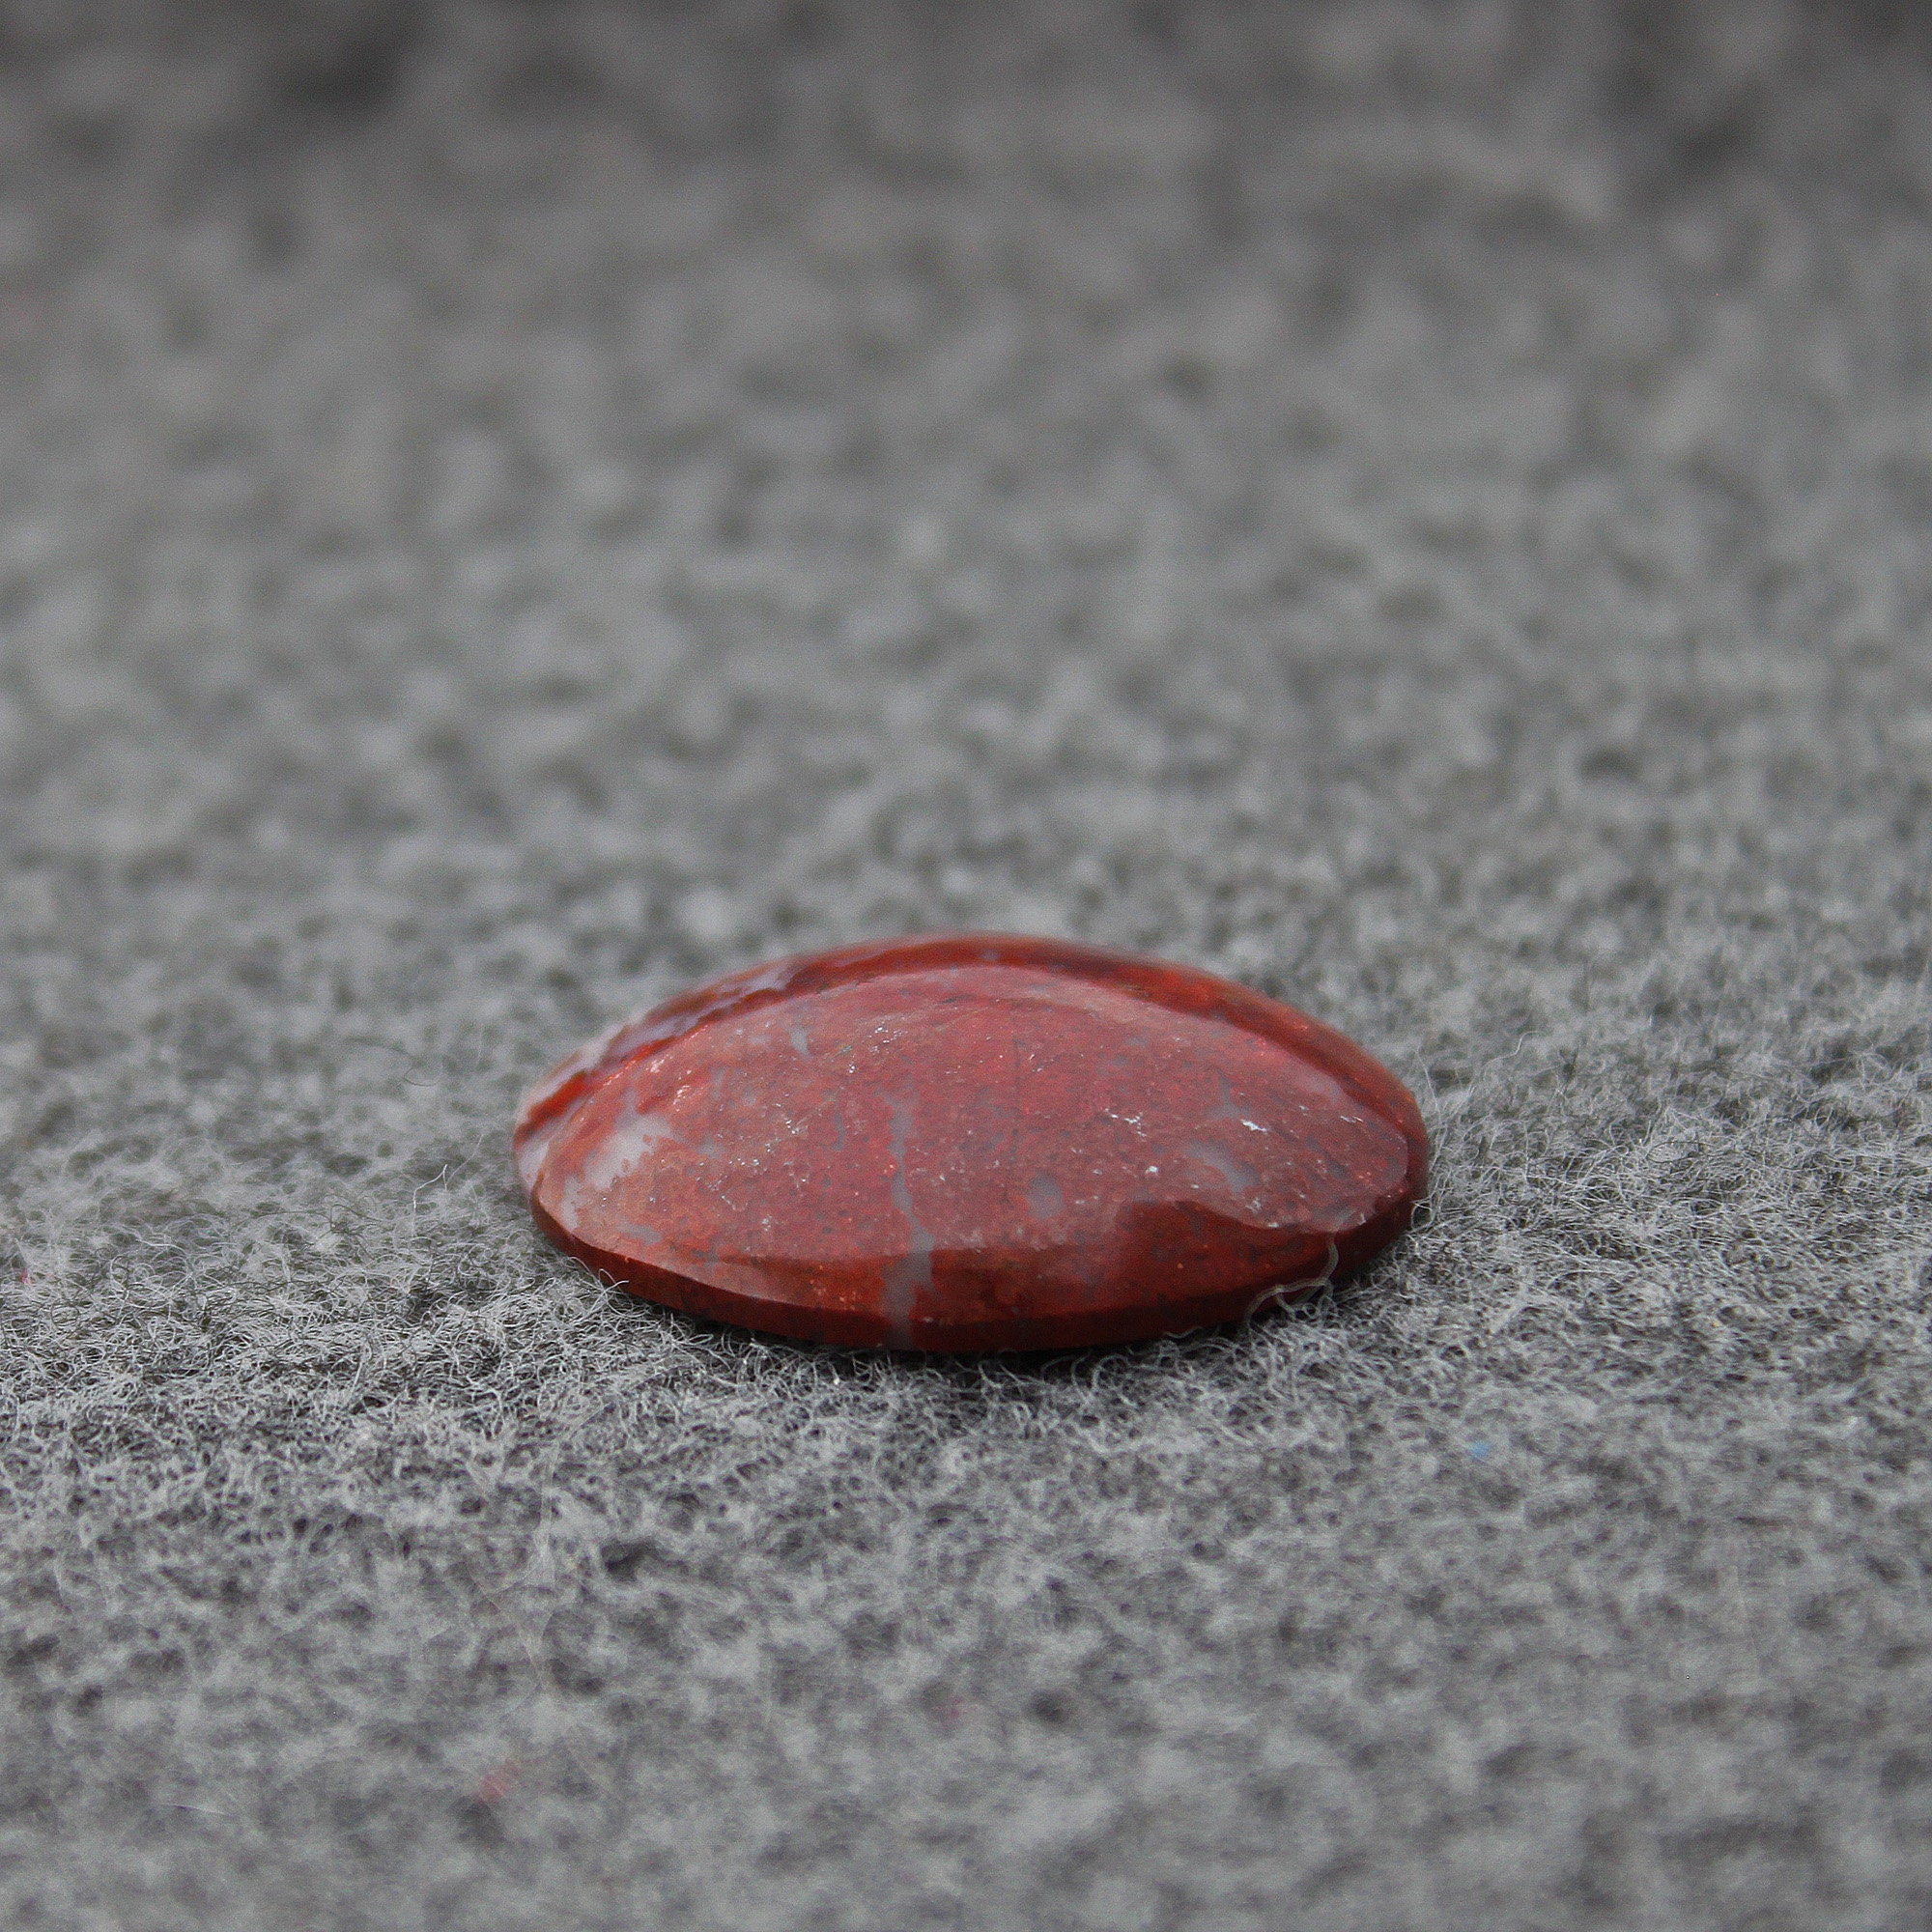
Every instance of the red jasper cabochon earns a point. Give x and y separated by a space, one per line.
974 1141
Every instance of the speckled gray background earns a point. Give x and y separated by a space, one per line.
507 509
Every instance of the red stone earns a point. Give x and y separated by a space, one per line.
971 1143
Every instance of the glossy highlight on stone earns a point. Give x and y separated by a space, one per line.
970 1143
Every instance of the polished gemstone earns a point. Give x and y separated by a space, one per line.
974 1141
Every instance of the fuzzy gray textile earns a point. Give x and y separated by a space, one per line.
511 509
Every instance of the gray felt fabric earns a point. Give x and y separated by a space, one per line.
510 510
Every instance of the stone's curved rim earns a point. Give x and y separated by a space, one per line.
1145 1321
548 1105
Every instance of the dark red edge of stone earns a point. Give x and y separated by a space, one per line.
552 1100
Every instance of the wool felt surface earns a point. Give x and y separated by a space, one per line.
510 510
